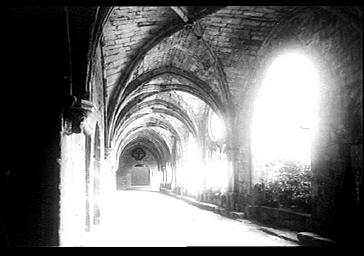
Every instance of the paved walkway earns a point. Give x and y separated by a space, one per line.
143 218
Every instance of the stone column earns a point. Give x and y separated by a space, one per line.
232 173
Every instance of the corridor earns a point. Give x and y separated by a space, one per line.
148 218
255 111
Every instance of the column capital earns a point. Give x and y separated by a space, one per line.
75 114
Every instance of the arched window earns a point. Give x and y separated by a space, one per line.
216 127
285 113
216 162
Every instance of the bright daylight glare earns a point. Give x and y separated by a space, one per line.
193 167
285 110
217 128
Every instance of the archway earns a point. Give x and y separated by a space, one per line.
217 177
284 122
96 176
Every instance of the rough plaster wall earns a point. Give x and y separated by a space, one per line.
336 49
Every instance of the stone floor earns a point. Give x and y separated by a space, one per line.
145 218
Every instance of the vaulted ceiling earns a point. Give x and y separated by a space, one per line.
166 67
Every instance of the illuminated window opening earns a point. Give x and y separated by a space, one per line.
193 167
216 127
216 164
285 113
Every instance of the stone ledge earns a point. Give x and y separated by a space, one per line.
312 239
238 216
279 217
206 206
285 234
232 215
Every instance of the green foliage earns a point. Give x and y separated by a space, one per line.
288 185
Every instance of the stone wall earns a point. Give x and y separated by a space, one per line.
280 218
32 100
335 48
84 179
126 167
